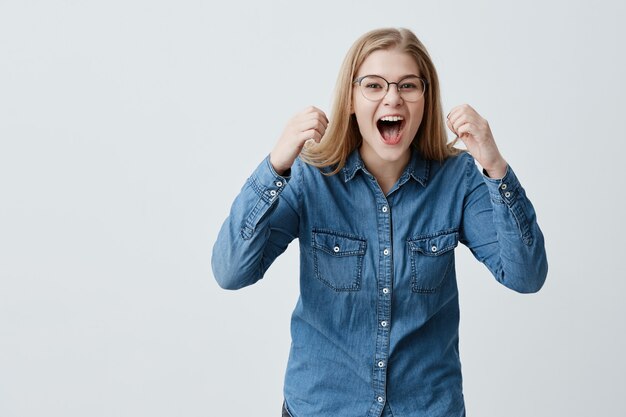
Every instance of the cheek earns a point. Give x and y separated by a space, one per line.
363 113
363 108
418 115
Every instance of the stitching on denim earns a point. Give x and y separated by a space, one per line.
420 290
344 236
340 234
415 247
356 285
263 191
467 173
520 219
340 254
256 186
418 252
251 221
261 206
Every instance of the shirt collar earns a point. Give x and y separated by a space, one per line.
417 168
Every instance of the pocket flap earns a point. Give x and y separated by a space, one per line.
338 244
435 244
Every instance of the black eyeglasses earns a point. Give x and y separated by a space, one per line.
375 87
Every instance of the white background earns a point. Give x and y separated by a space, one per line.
128 127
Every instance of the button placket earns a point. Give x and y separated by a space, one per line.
385 256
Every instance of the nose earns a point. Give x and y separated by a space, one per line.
393 97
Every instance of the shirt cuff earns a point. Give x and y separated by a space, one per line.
267 186
503 190
266 182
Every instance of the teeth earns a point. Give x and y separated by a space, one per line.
392 118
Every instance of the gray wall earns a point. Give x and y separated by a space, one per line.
128 127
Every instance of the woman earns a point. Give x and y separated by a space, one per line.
378 207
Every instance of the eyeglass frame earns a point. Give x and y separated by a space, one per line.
397 83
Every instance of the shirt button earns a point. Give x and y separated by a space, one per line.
380 399
503 186
385 209
279 183
381 364
273 193
507 194
336 249
434 248
386 252
384 323
385 290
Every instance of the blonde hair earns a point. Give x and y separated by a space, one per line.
343 135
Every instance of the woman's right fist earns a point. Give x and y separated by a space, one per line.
306 125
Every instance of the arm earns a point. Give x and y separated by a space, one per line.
500 228
265 215
499 223
263 220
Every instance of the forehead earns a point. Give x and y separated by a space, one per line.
390 63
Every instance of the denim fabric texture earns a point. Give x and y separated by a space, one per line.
375 328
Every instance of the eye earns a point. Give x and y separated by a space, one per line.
408 86
411 84
373 85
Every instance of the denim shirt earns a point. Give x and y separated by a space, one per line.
375 328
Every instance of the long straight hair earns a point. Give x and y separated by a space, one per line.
343 135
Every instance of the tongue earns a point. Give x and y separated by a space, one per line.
390 132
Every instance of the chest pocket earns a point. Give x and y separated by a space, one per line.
432 257
338 259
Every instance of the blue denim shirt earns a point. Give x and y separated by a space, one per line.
376 325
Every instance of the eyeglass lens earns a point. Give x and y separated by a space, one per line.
374 88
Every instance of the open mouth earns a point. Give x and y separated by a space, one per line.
390 128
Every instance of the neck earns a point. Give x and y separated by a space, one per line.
386 173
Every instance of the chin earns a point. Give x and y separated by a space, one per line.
392 154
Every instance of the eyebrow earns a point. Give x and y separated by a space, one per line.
402 77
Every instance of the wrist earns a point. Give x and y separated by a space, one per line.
278 168
497 170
